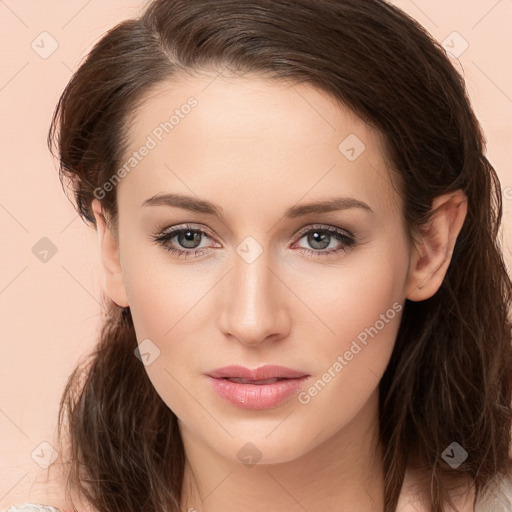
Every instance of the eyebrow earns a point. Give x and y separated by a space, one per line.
208 208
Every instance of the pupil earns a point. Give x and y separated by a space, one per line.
189 240
315 238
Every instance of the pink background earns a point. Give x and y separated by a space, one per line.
50 313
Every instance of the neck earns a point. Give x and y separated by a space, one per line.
344 473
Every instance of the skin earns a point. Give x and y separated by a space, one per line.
256 147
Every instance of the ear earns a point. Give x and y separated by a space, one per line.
432 254
109 253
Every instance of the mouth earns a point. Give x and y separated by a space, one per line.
256 375
239 380
261 388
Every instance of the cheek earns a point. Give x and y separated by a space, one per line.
157 306
354 295
166 302
362 309
357 304
161 293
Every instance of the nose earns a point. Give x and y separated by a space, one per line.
254 303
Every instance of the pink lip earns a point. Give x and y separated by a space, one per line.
256 396
268 371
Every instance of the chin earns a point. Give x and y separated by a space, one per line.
251 450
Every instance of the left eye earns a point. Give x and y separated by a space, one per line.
321 238
189 239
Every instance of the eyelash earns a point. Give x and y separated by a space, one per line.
163 238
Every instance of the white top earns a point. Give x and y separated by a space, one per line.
497 499
30 507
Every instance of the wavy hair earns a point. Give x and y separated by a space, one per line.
450 375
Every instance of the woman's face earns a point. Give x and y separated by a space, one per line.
260 281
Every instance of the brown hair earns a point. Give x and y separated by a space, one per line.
450 374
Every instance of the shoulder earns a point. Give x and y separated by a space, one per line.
42 491
497 496
30 507
46 490
414 496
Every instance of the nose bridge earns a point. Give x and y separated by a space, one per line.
251 287
253 307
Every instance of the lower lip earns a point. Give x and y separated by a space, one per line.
257 396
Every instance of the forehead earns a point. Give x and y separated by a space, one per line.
257 137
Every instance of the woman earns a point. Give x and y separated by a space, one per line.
307 306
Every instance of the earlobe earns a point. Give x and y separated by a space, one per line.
433 251
110 258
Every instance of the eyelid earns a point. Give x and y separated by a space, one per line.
325 227
185 227
298 234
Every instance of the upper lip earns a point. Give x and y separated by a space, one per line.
268 371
